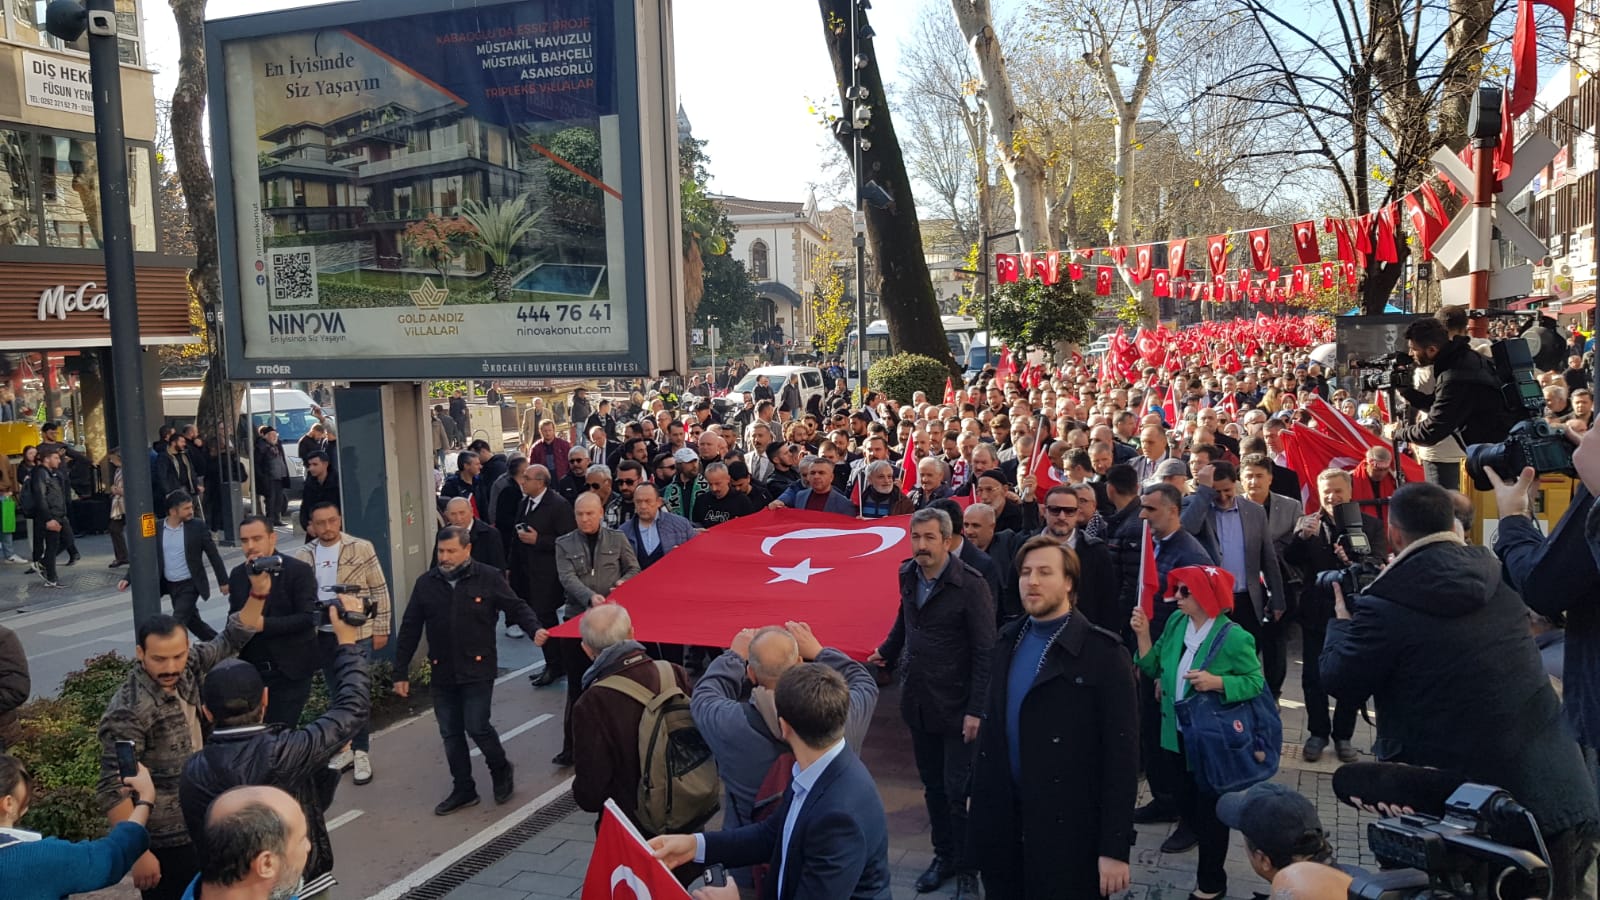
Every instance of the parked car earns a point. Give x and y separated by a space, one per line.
811 383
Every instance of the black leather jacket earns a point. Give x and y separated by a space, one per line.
296 761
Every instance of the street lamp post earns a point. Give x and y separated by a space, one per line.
68 20
985 239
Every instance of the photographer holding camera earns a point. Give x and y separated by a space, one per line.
1441 643
1466 404
245 751
285 652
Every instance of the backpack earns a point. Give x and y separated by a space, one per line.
28 499
679 788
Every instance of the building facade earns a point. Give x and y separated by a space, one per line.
1559 204
54 301
781 244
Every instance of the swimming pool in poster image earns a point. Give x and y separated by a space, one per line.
572 279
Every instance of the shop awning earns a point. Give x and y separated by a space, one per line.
1525 302
1582 307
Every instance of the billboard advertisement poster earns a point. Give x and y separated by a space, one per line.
439 191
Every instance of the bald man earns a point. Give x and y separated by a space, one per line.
590 562
487 547
726 708
258 844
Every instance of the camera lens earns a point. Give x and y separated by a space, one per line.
1504 459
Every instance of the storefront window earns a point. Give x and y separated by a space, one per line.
19 215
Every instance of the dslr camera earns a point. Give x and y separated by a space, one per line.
356 618
1363 568
1531 441
1456 855
272 564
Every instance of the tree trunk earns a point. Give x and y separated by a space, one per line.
217 401
894 238
1022 162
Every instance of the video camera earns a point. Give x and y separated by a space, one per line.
1396 369
356 618
1455 855
272 564
1531 441
1363 568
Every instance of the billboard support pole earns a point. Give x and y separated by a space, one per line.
67 19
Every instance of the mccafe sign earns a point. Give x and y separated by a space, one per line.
56 302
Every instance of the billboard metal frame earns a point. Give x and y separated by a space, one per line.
657 324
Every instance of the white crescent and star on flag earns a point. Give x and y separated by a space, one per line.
803 571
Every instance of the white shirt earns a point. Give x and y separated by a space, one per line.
1192 639
325 564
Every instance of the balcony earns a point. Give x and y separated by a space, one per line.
417 159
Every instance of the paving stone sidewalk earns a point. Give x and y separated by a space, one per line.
551 864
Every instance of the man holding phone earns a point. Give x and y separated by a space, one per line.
157 710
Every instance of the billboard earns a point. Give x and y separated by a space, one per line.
430 190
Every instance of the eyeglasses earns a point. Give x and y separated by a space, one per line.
627 482
594 485
1061 510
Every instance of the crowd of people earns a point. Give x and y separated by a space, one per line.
1099 553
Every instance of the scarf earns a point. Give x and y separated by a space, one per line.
607 658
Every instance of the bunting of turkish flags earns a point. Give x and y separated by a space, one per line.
1244 280
1505 154
1141 263
1217 251
1027 266
1051 267
1260 249
1329 272
1351 274
1119 255
1297 279
1435 208
1006 268
1102 281
1423 223
1075 271
1176 251
1363 233
1163 283
1305 243
1524 61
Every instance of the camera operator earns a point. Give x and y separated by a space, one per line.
245 751
286 649
1285 841
1441 644
1466 405
1313 550
1558 576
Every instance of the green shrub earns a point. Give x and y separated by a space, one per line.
903 374
91 686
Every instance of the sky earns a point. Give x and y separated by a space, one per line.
744 71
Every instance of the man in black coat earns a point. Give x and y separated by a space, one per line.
1441 643
1312 551
322 486
965 551
457 604
183 573
285 651
486 545
243 750
1096 591
542 517
1057 761
940 642
1001 545
1466 400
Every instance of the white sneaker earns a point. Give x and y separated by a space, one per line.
13 558
342 760
363 767
516 632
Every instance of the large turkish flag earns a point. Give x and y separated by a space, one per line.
837 574
622 867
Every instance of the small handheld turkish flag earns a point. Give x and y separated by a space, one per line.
1102 281
1305 242
1149 575
1260 249
1217 252
622 858
1176 250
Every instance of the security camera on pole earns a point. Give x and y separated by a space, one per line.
1471 234
68 20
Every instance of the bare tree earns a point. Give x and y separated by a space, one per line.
905 289
947 146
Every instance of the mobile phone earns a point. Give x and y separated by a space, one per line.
127 763
521 527
716 875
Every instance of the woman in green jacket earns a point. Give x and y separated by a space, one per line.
1203 595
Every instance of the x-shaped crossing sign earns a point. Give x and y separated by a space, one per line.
1471 233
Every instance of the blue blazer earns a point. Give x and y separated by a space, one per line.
839 847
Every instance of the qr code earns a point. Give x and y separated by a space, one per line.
294 276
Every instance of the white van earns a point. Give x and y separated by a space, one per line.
812 383
287 409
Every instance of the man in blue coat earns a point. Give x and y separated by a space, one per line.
830 839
